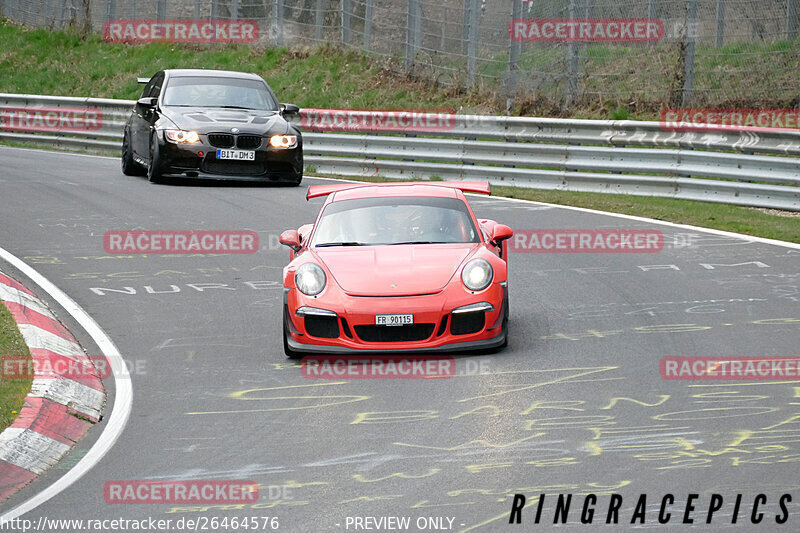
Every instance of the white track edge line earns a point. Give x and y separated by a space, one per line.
123 396
56 151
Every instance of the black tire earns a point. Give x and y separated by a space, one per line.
291 354
129 166
153 169
505 321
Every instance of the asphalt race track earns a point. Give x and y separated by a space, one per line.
575 405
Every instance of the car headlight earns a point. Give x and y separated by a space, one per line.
283 141
310 279
477 275
180 136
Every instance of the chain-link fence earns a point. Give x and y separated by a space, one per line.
710 53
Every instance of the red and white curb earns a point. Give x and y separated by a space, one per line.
59 410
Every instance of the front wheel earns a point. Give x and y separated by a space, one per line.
129 166
291 354
505 320
505 328
154 168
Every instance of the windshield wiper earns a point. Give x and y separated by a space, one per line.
236 107
342 243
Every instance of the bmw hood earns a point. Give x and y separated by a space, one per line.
204 119
402 270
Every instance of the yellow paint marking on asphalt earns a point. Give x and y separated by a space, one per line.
424 504
372 498
575 373
471 444
613 401
504 515
240 395
399 475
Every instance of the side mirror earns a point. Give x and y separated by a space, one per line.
290 238
148 102
500 233
304 231
289 109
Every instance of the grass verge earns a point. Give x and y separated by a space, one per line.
67 63
12 391
63 63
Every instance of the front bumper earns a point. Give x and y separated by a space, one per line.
346 324
455 347
270 164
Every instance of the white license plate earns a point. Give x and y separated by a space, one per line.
394 320
239 155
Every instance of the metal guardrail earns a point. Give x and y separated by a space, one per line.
626 157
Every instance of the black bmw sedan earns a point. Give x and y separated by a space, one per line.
213 124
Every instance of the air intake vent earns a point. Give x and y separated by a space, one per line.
411 333
324 327
233 168
221 140
248 142
199 117
466 323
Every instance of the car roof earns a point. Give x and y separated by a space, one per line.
397 190
184 72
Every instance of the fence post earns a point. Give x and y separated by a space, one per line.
691 30
465 18
196 9
234 9
721 23
346 15
571 89
54 13
161 9
368 13
319 21
277 22
417 25
49 14
472 43
791 19
214 9
413 30
111 10
513 57
68 13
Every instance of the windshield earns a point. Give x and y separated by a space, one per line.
395 220
234 93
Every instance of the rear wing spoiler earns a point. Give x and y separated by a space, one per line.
142 80
480 187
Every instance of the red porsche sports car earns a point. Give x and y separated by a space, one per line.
396 267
